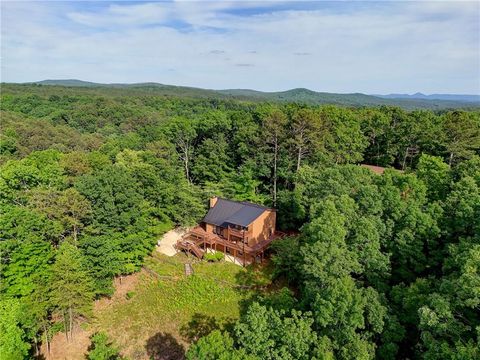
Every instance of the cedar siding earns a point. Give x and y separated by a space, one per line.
241 229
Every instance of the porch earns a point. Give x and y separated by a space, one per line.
198 241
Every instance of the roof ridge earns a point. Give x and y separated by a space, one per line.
245 203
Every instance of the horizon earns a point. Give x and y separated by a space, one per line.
337 47
226 89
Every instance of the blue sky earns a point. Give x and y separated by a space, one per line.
369 47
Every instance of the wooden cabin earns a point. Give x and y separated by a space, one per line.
238 228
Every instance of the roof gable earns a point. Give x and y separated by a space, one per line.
226 212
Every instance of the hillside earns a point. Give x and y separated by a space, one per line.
451 97
299 95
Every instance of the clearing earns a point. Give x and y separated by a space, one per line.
156 313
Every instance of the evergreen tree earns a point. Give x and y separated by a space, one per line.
71 286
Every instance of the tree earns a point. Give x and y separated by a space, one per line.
115 197
102 349
12 337
272 334
29 263
212 161
462 130
182 130
103 259
68 207
376 127
435 174
306 134
217 346
71 286
273 128
344 140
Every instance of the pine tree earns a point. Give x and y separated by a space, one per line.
71 286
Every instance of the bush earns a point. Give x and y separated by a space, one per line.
214 257
130 294
102 349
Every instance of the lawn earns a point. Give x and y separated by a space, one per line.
164 310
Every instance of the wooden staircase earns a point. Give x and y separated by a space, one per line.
190 246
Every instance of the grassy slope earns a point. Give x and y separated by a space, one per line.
162 306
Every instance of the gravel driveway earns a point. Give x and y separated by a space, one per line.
166 243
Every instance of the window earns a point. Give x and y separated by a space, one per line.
218 230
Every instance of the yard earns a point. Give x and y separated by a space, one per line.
159 312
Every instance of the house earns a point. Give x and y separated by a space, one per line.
238 228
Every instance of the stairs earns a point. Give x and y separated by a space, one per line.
191 247
188 269
197 251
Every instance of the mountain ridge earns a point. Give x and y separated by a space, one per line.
299 95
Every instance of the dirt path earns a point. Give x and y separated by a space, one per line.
165 244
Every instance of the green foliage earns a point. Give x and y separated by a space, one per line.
435 174
384 266
115 198
270 334
13 345
28 265
103 259
214 257
217 346
102 349
70 285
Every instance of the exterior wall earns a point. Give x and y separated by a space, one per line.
263 227
209 228
259 230
213 201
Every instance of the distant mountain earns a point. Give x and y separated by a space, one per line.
300 95
418 95
67 82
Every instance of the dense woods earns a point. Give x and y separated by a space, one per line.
384 266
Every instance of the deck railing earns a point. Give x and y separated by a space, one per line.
201 238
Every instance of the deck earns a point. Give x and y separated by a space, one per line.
197 240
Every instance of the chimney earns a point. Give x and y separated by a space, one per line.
213 201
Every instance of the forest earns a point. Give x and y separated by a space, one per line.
383 266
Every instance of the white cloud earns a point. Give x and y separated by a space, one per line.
372 48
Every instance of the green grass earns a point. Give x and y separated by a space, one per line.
171 303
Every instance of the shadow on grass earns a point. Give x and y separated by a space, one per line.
201 325
162 346
256 282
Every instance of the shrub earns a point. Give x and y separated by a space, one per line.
102 349
214 257
130 294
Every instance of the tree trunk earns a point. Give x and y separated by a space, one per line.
450 160
185 161
405 159
299 157
71 322
65 325
47 342
75 234
36 345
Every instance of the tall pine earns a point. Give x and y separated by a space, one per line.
71 286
